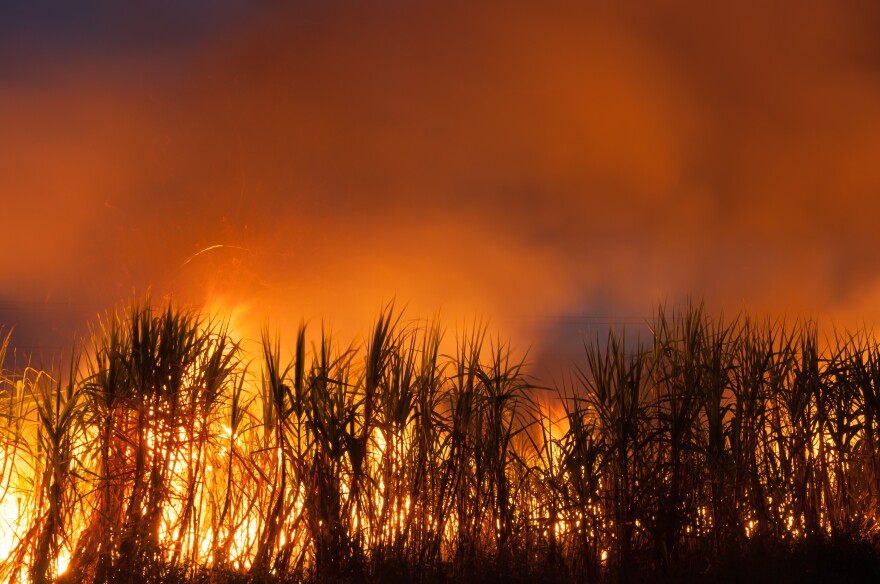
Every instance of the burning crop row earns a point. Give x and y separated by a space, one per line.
168 453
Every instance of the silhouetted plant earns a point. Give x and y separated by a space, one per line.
168 454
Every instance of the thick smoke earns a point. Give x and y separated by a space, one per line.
528 164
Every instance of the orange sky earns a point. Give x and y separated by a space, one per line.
525 162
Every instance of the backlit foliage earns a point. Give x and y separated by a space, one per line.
166 452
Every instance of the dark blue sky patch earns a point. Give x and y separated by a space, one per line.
70 29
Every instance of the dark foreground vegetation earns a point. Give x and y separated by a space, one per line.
719 451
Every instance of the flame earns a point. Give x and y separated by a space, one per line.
219 478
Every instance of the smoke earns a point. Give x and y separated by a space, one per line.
527 164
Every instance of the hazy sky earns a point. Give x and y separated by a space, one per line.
528 162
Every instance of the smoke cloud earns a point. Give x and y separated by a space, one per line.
532 165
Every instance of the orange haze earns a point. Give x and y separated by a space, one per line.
526 162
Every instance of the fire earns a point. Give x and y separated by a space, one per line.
208 459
